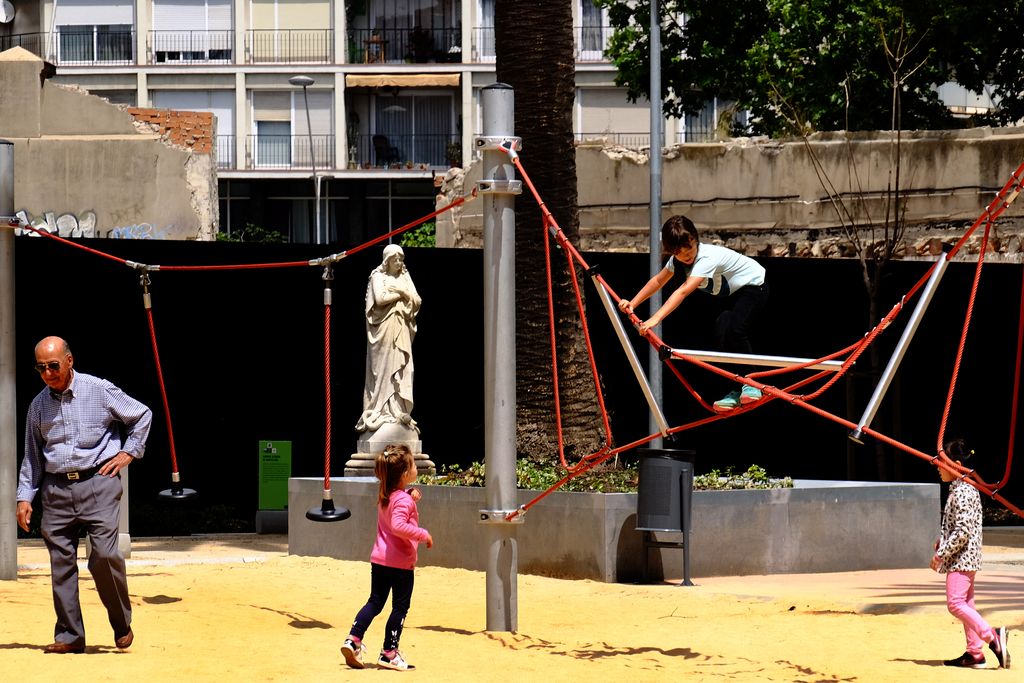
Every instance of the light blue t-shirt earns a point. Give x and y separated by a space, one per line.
724 270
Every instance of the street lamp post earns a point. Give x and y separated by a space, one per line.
305 82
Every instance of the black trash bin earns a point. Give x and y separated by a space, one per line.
664 501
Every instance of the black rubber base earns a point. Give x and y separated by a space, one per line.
179 493
327 513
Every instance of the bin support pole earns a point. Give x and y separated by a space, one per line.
8 394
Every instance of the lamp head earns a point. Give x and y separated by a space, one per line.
301 81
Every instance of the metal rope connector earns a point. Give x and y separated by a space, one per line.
332 258
509 144
144 267
503 516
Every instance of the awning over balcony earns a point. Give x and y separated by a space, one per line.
401 80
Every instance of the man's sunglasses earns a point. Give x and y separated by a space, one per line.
53 366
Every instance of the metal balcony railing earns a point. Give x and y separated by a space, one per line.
78 45
636 141
225 151
36 43
298 46
591 41
404 45
412 150
289 151
191 47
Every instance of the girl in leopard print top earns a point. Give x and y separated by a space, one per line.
958 556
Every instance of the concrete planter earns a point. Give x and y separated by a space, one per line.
817 526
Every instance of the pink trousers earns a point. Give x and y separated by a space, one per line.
960 602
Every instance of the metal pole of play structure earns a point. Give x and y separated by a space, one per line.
498 189
654 369
8 438
901 348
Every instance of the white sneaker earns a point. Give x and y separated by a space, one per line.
353 653
397 662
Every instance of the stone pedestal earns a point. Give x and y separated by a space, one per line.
372 443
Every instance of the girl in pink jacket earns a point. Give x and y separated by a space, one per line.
392 560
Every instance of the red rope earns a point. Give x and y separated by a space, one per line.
327 394
963 339
1003 199
163 388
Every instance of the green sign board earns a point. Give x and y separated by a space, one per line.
275 468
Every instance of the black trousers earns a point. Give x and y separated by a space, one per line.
733 326
384 580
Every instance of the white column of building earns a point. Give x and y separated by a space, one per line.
142 26
341 142
241 120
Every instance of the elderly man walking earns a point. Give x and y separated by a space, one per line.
80 432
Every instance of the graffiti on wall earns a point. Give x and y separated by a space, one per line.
84 225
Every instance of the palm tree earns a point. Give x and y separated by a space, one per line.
535 55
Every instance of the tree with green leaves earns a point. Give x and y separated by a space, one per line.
820 65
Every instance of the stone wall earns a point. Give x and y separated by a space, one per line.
786 198
87 168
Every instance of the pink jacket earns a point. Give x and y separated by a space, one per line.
398 532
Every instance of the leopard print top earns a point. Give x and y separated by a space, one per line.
960 542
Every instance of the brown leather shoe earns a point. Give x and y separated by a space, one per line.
125 641
59 648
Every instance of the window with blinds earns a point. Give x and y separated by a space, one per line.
94 31
191 31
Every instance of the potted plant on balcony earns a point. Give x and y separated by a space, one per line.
453 152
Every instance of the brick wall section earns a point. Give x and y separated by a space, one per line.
190 129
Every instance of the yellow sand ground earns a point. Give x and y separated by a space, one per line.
238 608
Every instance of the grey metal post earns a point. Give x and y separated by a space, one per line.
8 394
654 372
498 189
901 348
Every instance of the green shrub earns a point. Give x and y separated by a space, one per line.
254 233
423 236
606 478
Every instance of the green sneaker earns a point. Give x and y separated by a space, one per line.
749 394
730 402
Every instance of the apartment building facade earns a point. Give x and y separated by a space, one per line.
394 98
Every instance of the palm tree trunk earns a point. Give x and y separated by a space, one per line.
535 55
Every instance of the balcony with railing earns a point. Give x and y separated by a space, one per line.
191 47
419 151
635 141
404 45
97 45
289 46
591 42
289 152
225 151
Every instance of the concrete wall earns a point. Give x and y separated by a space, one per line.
760 195
86 168
817 526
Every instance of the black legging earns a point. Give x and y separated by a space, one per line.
384 580
732 328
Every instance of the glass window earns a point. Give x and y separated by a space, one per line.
273 143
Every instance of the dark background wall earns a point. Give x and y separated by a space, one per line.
242 355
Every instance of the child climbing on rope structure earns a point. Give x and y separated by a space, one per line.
392 560
958 556
739 280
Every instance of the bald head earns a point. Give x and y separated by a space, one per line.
52 346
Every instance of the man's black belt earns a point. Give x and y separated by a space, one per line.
80 475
